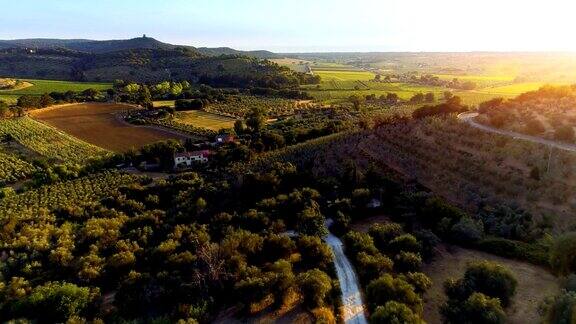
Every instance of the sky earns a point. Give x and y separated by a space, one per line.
305 25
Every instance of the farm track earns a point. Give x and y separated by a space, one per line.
469 118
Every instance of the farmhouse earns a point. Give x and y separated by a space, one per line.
187 159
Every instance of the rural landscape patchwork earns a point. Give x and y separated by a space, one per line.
146 180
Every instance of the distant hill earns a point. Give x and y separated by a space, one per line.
107 46
142 60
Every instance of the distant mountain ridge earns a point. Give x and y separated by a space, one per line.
108 46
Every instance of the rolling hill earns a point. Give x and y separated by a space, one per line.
107 46
140 59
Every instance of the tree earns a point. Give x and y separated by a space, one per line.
255 120
476 309
565 133
394 313
563 254
314 252
371 266
486 277
315 286
467 231
311 221
387 288
561 309
46 100
28 101
239 127
417 98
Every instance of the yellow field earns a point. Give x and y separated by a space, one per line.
162 103
515 89
204 119
506 78
336 75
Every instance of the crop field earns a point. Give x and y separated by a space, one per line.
535 284
344 75
48 141
98 124
40 87
205 120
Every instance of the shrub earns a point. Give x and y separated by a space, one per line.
418 280
563 254
394 313
533 253
467 231
428 241
561 309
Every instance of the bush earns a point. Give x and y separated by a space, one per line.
561 309
323 315
394 313
563 254
467 231
315 286
530 252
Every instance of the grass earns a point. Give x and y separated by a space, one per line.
205 120
97 124
40 87
534 283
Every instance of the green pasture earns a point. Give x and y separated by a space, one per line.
46 86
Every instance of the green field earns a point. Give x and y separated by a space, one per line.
46 86
204 119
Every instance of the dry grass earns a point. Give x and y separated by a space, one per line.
97 124
534 283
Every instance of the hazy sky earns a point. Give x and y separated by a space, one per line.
305 25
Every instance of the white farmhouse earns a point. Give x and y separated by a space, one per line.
187 159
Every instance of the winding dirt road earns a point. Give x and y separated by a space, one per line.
354 309
469 118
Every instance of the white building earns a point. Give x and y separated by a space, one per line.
187 159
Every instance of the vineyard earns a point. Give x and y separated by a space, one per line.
13 169
203 119
240 106
48 141
72 193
